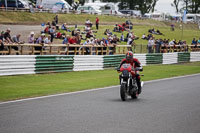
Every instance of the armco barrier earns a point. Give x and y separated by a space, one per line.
30 64
112 60
88 62
154 58
14 64
194 56
170 58
183 57
49 63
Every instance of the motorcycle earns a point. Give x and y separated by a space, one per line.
128 84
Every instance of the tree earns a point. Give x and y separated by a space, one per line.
176 5
192 6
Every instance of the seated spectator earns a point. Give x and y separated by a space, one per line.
72 40
40 40
7 36
144 37
116 28
47 40
31 38
88 23
65 41
107 32
16 39
89 34
64 27
46 30
87 28
59 35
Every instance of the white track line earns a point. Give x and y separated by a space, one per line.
70 93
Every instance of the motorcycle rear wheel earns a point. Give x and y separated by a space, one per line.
123 92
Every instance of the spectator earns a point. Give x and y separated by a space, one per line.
65 41
1 45
16 39
64 27
40 40
144 37
122 37
47 40
31 38
56 19
171 43
2 35
150 45
97 23
158 45
198 41
52 31
194 42
7 36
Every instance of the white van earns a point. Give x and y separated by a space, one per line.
89 9
49 4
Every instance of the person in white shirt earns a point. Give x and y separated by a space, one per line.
47 40
151 43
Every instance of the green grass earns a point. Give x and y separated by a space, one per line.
23 86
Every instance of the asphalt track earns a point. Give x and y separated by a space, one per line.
166 106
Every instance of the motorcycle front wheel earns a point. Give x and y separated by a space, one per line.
123 92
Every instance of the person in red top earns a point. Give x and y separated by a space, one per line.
97 23
72 40
134 62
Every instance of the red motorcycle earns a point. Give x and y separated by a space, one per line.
128 84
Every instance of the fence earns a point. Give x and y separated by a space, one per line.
72 49
32 64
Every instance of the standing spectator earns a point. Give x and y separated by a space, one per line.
56 19
97 23
1 45
2 35
198 41
158 45
7 36
150 45
31 38
16 39
52 32
194 42
122 37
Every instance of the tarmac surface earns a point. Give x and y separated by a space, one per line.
166 106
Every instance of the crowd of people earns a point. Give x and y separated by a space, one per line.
87 36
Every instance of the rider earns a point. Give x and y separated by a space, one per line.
134 62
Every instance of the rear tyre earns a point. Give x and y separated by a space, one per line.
123 92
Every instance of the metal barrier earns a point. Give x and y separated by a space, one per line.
31 64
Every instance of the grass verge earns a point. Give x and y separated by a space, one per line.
24 86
